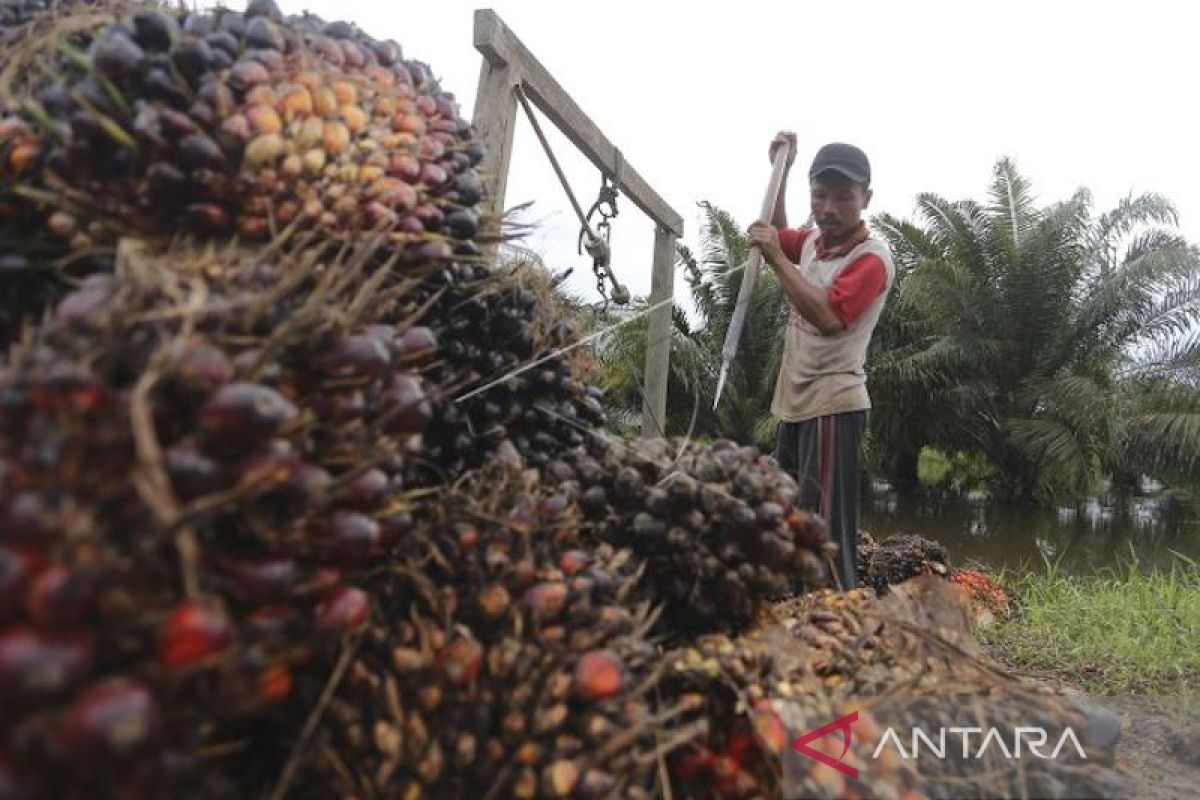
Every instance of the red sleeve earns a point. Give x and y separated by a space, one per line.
791 240
856 288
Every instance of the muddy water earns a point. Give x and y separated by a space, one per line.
1082 539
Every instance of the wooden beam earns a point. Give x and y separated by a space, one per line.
501 48
658 334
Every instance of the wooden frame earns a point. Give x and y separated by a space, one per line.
507 63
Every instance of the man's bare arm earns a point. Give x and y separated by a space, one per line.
808 299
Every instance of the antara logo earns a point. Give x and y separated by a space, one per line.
800 744
1035 740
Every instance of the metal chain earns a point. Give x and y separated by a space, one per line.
597 246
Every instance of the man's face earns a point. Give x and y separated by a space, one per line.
837 204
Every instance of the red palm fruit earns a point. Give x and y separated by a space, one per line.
599 674
768 727
573 561
274 683
245 413
460 660
193 634
34 664
345 609
116 718
61 596
405 167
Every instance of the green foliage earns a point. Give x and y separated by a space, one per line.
713 276
1059 345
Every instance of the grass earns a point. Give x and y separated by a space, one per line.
1122 631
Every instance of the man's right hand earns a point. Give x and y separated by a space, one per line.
783 139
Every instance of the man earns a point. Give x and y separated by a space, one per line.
835 277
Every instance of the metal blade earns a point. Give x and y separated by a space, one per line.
720 384
750 271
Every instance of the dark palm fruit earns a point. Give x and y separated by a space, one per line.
350 537
418 342
16 571
117 56
405 405
226 42
193 634
264 8
114 719
462 223
35 664
262 32
192 473
245 413
203 366
155 30
362 355
368 488
61 596
199 151
191 58
263 579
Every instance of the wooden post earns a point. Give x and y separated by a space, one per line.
495 119
658 334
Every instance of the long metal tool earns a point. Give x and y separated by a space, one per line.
752 267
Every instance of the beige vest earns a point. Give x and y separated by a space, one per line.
822 375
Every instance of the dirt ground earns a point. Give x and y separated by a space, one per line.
1159 746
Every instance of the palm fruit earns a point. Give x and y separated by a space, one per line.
903 556
508 386
151 121
503 659
185 518
989 599
717 525
757 697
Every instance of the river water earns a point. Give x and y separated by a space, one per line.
1081 539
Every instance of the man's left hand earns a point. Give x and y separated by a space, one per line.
766 238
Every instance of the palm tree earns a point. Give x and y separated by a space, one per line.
713 279
1059 344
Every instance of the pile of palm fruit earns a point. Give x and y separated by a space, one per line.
300 497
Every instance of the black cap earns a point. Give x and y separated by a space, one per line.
845 159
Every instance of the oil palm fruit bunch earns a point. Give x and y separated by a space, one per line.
200 456
502 658
509 387
716 524
903 556
989 599
120 120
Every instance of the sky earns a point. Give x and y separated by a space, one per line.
1092 95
